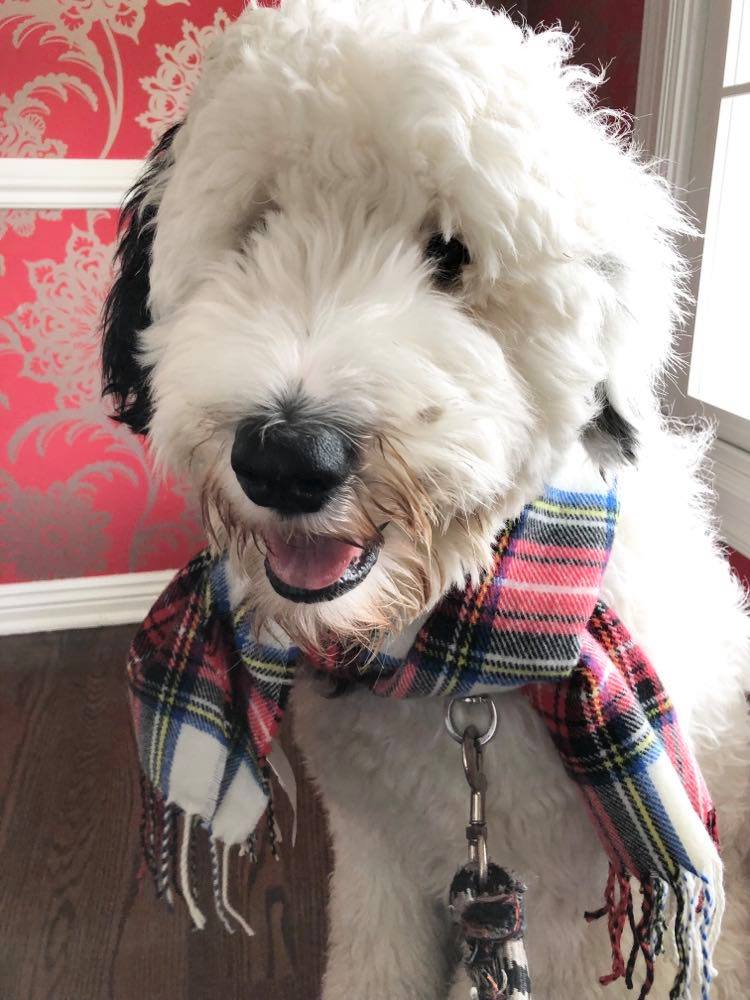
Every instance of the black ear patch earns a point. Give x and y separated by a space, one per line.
609 435
448 259
126 309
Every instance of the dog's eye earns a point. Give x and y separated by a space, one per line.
263 210
449 259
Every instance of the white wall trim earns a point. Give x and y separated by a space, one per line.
80 602
650 73
731 468
41 182
669 77
682 56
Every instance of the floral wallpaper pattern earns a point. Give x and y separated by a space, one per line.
179 68
104 78
91 79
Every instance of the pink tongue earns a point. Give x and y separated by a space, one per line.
309 563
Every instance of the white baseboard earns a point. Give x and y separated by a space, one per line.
731 468
81 602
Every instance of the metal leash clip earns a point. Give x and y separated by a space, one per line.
486 901
472 742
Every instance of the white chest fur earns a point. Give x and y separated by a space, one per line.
393 786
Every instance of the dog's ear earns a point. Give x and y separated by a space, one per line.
126 309
610 438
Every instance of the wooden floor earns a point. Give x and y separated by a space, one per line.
73 925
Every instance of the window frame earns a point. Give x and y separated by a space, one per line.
680 82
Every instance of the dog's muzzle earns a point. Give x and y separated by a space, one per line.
295 468
289 468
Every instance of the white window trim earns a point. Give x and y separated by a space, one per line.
672 112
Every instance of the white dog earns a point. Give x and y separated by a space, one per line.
401 271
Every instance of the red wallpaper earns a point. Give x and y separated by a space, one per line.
607 33
741 566
103 78
81 78
91 78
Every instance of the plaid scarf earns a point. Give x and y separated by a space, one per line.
208 696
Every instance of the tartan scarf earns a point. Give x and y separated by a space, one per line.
208 696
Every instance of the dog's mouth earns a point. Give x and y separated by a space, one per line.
310 569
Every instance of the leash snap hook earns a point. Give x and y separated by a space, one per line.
476 831
471 753
485 900
472 741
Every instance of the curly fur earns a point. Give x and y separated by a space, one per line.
290 230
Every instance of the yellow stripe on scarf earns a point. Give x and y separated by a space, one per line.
556 508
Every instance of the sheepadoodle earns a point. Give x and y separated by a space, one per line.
393 284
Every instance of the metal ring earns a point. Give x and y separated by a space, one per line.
473 699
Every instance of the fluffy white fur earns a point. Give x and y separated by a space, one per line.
325 144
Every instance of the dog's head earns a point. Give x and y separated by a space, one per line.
390 268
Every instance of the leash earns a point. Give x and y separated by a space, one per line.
486 901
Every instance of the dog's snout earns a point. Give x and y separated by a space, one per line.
290 468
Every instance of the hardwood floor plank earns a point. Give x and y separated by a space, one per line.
73 924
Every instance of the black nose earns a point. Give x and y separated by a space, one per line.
290 468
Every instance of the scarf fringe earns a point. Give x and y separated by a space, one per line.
189 894
169 857
697 913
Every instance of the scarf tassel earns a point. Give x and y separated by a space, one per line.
694 930
169 857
